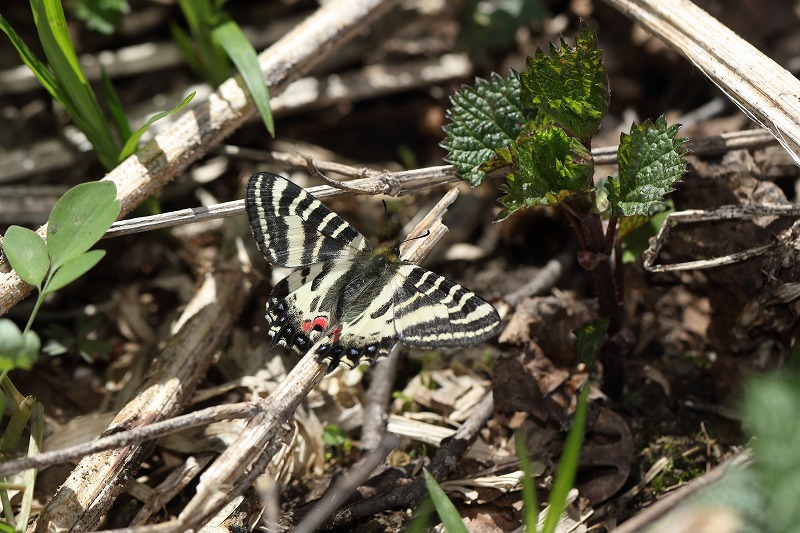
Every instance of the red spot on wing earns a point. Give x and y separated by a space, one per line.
319 324
336 333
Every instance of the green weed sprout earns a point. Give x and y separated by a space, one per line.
213 41
78 220
63 78
537 127
564 481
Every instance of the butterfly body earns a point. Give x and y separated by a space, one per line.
362 299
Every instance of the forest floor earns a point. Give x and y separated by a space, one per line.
694 340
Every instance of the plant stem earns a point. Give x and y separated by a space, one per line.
9 388
597 242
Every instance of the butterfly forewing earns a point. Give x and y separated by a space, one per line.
361 300
430 311
292 228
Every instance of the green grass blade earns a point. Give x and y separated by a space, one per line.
133 140
528 487
230 36
115 106
79 99
419 520
568 465
185 45
34 448
209 58
39 69
444 507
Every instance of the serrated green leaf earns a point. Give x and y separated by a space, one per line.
549 166
132 142
230 36
570 85
79 219
483 118
650 162
444 507
27 253
73 269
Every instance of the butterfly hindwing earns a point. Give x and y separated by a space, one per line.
301 310
297 315
292 228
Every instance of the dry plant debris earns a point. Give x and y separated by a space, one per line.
166 405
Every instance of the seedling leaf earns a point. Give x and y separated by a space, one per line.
27 253
483 118
79 219
132 142
17 349
569 85
11 342
650 162
444 507
73 269
230 36
549 165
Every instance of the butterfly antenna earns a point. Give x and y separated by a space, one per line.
428 232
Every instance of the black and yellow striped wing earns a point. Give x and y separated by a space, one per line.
360 299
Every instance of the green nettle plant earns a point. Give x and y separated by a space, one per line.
539 125
63 78
78 220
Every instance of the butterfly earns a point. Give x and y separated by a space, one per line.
362 299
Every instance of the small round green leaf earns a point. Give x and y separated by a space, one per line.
30 346
73 269
11 342
79 219
27 253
